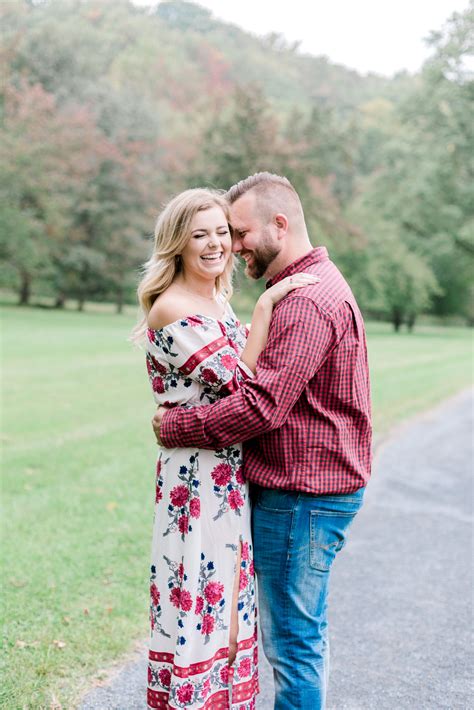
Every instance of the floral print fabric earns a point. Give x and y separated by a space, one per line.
202 516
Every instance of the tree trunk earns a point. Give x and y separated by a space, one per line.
396 320
25 289
119 300
59 303
80 304
411 323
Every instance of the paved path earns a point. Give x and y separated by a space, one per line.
400 607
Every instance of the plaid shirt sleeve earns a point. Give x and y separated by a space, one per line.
300 339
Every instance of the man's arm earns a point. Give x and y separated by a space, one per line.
300 340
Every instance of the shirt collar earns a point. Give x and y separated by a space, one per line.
312 257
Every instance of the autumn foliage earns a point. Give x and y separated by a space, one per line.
109 109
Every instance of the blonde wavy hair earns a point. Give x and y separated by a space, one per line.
172 233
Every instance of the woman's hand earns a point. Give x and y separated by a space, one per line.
275 293
262 314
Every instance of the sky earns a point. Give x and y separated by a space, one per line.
382 36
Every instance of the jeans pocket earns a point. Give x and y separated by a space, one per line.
328 535
276 501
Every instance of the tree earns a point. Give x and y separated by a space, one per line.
388 278
239 141
46 154
77 150
310 149
424 180
23 246
408 284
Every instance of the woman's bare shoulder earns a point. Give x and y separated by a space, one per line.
169 307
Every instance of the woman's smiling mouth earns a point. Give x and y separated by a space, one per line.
213 257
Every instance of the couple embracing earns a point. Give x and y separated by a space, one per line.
265 439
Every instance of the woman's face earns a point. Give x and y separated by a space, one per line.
209 246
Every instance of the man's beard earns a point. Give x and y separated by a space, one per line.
262 257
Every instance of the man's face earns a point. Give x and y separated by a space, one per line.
254 241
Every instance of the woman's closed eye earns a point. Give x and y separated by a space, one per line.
223 233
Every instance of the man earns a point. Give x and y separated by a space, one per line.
305 423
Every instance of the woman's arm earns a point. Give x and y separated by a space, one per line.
262 315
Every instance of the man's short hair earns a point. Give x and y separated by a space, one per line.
274 193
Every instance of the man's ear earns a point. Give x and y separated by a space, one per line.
281 222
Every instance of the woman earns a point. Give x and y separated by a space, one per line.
203 648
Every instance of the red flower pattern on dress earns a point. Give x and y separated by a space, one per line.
159 482
244 580
185 693
179 496
153 364
155 595
207 624
235 499
199 605
158 385
165 677
210 600
229 362
224 674
186 600
245 551
183 524
181 570
213 592
195 507
175 596
209 375
182 496
206 687
222 474
229 493
239 476
245 667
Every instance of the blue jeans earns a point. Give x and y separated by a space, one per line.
296 537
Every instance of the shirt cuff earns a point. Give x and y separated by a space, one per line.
246 371
169 429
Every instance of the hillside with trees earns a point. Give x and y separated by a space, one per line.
109 109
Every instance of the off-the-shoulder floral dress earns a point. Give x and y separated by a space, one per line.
202 515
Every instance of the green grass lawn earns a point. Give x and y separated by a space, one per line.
78 472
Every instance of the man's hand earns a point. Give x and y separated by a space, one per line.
156 423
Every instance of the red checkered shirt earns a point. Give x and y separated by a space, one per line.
305 418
